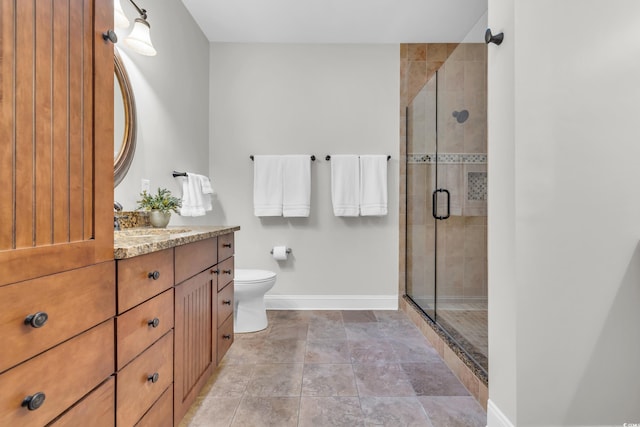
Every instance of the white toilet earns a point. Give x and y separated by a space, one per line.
250 313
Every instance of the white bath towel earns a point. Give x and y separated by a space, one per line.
296 194
193 200
267 185
345 185
373 185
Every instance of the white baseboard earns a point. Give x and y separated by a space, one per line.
495 417
331 302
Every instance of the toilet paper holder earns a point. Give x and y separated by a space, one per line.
288 251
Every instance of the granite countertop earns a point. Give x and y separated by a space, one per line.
130 242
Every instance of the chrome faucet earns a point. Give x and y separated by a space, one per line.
117 207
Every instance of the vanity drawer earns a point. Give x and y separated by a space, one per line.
225 272
99 407
135 330
225 246
225 303
63 296
64 374
195 257
135 390
161 413
225 337
142 277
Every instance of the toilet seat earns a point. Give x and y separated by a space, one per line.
252 276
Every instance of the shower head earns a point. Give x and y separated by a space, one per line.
461 116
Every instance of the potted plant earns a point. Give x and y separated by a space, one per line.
159 206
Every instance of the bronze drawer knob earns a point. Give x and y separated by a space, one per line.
34 401
215 271
36 320
226 337
155 275
153 378
154 322
226 271
110 35
226 245
226 302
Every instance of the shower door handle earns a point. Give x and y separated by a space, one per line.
434 203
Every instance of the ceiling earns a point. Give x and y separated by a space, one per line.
336 21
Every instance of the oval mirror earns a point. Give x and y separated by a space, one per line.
124 120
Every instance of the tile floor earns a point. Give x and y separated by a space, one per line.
334 368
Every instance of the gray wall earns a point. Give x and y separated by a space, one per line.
564 262
172 95
316 99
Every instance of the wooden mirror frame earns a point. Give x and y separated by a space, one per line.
128 148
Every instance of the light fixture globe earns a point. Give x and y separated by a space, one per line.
119 18
140 39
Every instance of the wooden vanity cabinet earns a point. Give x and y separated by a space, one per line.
144 334
191 296
56 128
57 280
196 317
203 313
226 269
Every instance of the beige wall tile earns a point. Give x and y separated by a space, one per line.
417 51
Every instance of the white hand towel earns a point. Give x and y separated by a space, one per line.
205 184
345 185
296 197
267 185
206 191
373 185
192 203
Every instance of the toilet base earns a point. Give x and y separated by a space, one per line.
250 316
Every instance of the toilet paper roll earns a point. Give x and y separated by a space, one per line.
280 253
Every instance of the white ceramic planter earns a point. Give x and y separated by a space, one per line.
159 219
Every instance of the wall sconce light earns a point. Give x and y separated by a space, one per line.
140 38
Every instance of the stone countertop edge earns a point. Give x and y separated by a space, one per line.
132 246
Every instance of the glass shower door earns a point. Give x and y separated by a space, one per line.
461 243
421 175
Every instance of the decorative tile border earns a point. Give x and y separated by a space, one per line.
447 158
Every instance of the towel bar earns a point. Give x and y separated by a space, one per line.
313 157
328 157
175 174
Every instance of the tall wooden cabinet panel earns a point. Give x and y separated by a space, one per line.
195 350
57 279
56 128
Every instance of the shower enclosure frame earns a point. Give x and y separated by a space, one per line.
440 211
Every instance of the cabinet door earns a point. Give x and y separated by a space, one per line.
195 350
56 133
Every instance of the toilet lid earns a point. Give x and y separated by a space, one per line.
250 276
